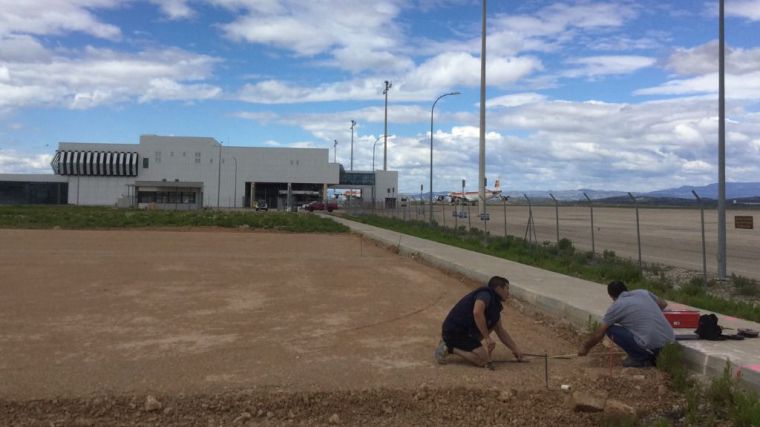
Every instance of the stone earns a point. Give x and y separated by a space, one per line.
151 404
245 416
639 377
586 402
334 419
506 396
270 414
168 410
662 389
617 408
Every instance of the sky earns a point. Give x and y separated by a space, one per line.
585 94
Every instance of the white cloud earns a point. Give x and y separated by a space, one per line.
175 9
56 17
749 9
11 161
703 59
101 76
595 66
745 86
514 100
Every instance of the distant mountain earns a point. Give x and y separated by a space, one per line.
734 190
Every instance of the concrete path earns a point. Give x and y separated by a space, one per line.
573 299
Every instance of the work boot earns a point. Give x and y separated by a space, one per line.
440 353
629 362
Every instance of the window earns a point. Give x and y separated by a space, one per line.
197 157
158 157
145 162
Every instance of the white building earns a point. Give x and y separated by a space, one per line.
193 172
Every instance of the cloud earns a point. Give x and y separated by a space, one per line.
52 17
175 9
100 76
703 59
749 9
11 161
595 66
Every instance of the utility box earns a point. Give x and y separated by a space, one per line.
682 318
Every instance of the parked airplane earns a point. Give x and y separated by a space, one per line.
472 197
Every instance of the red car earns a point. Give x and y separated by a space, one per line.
320 206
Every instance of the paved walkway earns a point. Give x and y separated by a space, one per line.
571 298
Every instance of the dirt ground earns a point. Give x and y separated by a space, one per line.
237 327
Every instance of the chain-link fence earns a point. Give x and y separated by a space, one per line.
670 236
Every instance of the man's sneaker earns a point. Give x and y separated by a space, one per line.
440 353
636 363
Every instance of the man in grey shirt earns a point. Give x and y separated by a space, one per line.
634 322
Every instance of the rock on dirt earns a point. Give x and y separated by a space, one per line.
582 401
619 409
334 419
151 404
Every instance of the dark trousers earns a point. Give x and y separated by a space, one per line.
624 339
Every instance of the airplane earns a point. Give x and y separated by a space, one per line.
472 197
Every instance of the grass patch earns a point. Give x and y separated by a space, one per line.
720 401
566 259
83 217
745 286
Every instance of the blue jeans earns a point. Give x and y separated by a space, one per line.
624 338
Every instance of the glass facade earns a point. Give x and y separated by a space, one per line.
33 193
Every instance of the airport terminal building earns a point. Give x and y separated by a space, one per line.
192 172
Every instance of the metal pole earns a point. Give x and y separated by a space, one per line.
722 150
431 149
219 176
482 163
591 206
704 247
234 200
353 123
638 234
505 216
388 86
556 215
335 151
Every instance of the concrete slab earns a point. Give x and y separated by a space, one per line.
572 299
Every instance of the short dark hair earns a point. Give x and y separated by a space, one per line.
498 281
615 288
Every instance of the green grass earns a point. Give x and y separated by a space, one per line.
564 258
79 217
721 400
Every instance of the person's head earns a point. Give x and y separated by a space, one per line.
500 285
615 288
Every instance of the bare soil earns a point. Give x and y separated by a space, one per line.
237 327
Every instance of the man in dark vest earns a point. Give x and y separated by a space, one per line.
467 329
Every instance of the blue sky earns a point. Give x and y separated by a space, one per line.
617 95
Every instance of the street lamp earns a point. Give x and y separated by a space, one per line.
353 123
374 144
482 160
431 150
388 86
335 151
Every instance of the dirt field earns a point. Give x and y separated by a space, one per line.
235 327
668 236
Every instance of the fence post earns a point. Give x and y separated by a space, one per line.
469 218
505 215
638 234
591 206
704 249
530 229
556 215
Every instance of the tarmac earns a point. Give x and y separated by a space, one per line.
576 300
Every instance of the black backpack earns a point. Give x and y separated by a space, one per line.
708 328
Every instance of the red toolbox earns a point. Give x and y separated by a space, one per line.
682 318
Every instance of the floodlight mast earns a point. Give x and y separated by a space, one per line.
482 162
388 86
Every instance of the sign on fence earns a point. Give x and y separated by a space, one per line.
744 222
485 217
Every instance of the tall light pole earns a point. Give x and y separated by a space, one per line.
430 199
482 167
388 86
374 176
335 151
721 151
353 123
